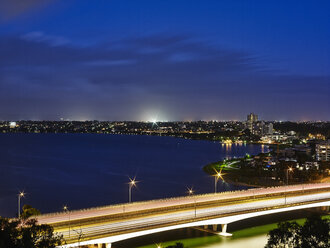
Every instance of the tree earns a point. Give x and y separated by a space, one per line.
283 236
315 232
28 211
27 234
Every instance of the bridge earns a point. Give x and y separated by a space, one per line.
103 226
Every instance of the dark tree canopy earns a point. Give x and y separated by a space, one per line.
27 234
28 211
315 232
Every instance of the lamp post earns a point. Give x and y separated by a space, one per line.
132 184
287 181
20 195
287 174
66 209
191 192
216 178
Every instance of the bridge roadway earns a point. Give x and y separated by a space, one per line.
118 222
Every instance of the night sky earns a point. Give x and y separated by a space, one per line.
164 60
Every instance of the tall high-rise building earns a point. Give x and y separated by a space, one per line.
251 119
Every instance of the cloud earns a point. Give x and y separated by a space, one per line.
111 62
12 8
183 77
50 39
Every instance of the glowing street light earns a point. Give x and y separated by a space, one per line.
132 184
217 175
287 180
20 195
190 191
287 174
66 209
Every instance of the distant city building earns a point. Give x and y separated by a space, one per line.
277 138
292 133
251 119
268 129
323 151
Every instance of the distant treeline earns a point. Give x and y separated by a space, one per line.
304 128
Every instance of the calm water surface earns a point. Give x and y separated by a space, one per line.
85 170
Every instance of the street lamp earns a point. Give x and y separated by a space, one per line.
191 192
132 184
217 175
66 209
20 195
287 180
287 174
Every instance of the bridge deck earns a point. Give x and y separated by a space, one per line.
185 211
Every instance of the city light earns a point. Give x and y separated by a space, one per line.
12 124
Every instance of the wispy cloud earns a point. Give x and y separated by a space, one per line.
50 39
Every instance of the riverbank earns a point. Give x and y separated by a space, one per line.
261 171
235 171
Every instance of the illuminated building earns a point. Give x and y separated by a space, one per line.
323 151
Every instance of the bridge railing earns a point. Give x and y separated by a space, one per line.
192 199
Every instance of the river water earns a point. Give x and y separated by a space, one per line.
86 170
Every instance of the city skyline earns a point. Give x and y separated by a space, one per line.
179 60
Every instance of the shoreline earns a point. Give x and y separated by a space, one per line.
180 136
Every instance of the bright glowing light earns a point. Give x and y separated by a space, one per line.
219 174
132 182
12 124
65 208
190 191
21 194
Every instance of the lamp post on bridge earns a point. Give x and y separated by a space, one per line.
132 184
66 209
191 192
287 181
20 195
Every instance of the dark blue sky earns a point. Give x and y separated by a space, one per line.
165 60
